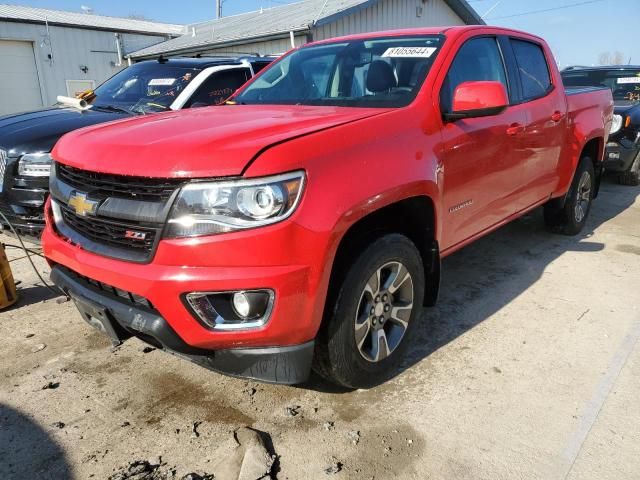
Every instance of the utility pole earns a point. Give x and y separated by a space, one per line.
218 8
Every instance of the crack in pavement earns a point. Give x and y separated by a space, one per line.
574 445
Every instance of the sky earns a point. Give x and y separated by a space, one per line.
578 34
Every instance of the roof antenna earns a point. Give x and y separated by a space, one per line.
161 59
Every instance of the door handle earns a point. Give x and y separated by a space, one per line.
557 116
515 128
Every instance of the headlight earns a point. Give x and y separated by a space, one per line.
217 207
616 124
35 165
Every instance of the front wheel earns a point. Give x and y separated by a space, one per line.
570 218
376 308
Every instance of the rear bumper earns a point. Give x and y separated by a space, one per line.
121 319
620 155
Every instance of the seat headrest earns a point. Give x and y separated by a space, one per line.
380 77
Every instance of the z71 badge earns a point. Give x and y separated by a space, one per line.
133 235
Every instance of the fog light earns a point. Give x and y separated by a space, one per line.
241 304
232 310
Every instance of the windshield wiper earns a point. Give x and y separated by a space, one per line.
111 108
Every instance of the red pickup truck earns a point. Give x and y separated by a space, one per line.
303 224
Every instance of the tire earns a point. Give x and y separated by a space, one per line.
345 350
632 176
570 218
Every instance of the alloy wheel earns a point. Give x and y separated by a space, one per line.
384 311
583 197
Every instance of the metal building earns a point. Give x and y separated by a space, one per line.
46 53
275 30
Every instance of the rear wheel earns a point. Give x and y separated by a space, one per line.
375 311
632 176
570 218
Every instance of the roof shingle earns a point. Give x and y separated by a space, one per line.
59 17
282 19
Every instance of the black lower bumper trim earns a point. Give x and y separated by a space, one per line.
120 320
284 365
619 158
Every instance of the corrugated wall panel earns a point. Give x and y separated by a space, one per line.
388 15
70 49
133 42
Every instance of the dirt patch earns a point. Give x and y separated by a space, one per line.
382 452
169 392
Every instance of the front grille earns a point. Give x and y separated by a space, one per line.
103 185
111 233
3 168
132 298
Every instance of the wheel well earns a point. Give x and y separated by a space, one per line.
413 217
592 150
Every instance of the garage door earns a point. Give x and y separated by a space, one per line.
19 86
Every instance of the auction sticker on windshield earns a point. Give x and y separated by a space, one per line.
165 82
409 52
629 80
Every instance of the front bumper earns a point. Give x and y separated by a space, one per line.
286 258
22 200
619 155
121 318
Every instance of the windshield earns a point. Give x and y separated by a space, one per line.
380 72
144 87
624 84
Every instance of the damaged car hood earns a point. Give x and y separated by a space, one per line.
38 131
199 143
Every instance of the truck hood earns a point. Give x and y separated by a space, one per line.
199 143
625 106
38 131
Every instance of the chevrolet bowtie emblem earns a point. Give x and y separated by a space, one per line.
82 206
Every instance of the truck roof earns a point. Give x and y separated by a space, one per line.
576 68
205 62
442 30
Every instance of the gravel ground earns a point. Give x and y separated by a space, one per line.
527 369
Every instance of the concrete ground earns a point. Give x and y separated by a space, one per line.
527 369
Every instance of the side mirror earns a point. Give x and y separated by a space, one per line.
477 99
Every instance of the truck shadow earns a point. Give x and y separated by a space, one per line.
34 294
485 276
27 451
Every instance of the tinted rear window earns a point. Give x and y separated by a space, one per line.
532 68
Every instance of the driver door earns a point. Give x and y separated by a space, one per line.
481 156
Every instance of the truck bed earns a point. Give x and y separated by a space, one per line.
579 90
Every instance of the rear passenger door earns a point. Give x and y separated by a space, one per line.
546 110
481 157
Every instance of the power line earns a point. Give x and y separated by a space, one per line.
546 10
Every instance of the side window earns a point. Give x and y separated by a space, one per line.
533 69
259 65
218 87
479 59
